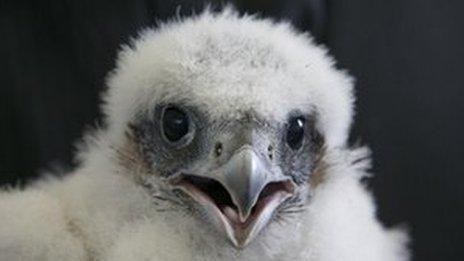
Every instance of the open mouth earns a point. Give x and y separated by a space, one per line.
215 198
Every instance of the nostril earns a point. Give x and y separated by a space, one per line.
218 149
270 152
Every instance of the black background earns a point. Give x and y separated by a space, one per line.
407 56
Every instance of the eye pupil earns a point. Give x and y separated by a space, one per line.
175 124
295 132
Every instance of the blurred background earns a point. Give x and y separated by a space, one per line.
407 57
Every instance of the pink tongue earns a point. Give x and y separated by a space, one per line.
230 213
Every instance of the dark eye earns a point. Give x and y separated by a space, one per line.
175 124
295 132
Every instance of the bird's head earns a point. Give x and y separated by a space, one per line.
227 117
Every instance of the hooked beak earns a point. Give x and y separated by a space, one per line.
241 196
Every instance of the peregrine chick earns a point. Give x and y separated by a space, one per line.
224 138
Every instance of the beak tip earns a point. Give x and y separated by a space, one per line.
243 214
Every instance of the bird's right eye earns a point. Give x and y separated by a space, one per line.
175 124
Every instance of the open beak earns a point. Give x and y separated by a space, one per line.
241 196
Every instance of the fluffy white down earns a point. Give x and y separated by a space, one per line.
230 64
98 212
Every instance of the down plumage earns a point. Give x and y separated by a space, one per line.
192 109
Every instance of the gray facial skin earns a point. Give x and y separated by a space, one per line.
245 156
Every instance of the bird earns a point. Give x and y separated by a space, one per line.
225 137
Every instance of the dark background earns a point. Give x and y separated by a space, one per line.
407 56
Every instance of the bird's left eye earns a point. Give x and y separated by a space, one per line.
175 124
295 132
